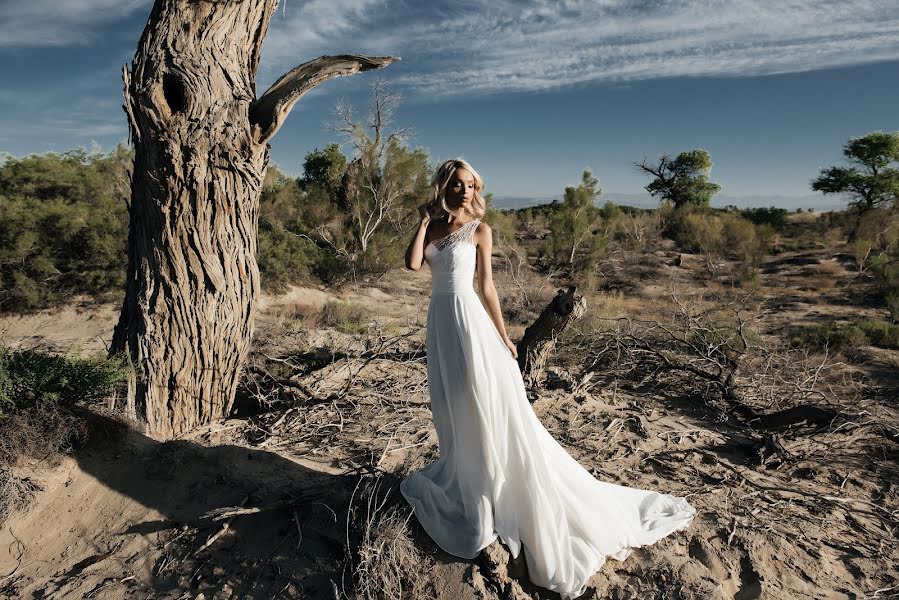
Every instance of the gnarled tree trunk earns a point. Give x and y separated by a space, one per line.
201 151
539 339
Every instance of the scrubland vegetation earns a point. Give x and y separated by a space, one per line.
748 357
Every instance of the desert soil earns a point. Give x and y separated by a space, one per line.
127 516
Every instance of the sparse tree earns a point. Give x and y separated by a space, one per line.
201 137
573 221
384 176
682 181
872 179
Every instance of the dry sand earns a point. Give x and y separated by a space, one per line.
124 516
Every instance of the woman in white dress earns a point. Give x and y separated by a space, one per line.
500 473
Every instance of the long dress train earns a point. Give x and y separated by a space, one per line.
500 473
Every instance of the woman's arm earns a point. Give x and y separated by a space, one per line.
415 253
483 238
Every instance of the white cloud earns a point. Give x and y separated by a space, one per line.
38 23
488 46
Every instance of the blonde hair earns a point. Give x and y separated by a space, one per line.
441 179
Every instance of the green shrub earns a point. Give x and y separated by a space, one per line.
30 378
848 336
63 226
834 337
772 216
284 257
385 251
885 267
695 230
880 333
37 393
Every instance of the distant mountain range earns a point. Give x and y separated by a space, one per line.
814 201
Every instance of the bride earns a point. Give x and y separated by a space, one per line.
500 473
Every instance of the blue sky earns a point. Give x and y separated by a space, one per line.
531 92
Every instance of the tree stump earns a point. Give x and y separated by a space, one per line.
539 338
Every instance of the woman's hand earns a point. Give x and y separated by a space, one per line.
415 252
511 346
423 212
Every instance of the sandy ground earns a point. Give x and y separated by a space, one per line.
128 517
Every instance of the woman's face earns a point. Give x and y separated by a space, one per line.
460 190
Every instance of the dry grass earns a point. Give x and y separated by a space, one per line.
831 268
524 292
15 493
388 565
295 311
40 432
346 317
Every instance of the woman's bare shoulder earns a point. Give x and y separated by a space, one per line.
482 230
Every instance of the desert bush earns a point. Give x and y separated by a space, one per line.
885 267
740 239
30 378
284 257
63 226
695 230
37 394
861 250
821 336
385 251
714 234
345 317
848 336
385 560
503 223
771 216
880 333
637 231
573 221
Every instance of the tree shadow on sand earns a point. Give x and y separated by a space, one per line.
286 531
290 542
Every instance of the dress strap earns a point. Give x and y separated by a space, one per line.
466 232
469 228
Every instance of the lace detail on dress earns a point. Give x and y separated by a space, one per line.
463 233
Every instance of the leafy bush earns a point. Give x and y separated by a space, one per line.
63 226
879 236
848 336
695 230
773 216
37 392
572 222
719 234
284 257
881 333
30 378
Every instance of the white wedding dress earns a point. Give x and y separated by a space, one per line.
500 473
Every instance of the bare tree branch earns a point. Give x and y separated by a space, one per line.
269 111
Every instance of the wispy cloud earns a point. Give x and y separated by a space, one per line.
489 46
35 23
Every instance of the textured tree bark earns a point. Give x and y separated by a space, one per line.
539 338
201 151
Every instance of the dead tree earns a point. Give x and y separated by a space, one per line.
539 338
201 137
